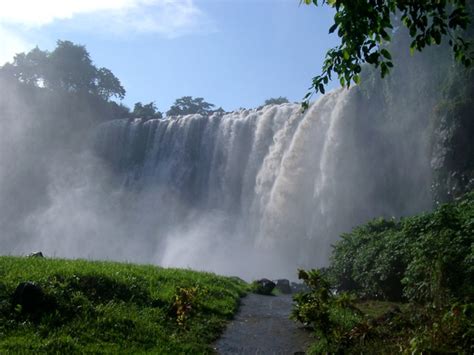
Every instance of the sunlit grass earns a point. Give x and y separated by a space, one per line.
110 307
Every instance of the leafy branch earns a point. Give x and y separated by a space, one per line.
365 28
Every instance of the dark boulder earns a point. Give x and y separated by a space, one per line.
263 286
29 296
283 285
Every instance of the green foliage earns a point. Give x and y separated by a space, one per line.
344 325
30 67
117 110
147 112
439 268
412 329
106 307
188 105
449 330
425 258
369 261
67 68
330 316
366 27
275 101
108 85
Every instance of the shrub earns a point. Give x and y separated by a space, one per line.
440 267
424 258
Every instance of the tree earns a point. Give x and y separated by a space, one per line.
365 28
67 68
108 85
70 68
186 105
118 110
219 111
30 68
147 112
275 101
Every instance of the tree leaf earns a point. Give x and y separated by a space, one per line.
386 54
356 79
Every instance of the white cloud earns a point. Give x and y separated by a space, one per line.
168 18
34 13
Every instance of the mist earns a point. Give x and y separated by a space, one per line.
251 193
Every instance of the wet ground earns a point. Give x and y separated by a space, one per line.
262 326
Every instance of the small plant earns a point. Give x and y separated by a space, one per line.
330 316
185 303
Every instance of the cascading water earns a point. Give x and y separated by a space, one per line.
257 192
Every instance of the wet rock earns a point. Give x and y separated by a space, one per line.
299 287
263 286
29 296
36 254
283 285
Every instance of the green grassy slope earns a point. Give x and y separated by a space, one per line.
109 307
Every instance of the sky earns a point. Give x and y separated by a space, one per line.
234 53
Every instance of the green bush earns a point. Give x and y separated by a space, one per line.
440 267
370 260
425 258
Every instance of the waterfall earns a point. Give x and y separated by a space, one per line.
260 192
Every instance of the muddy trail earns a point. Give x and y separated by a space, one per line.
262 326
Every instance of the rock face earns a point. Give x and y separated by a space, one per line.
283 285
29 296
264 286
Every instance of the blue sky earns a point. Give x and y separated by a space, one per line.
234 53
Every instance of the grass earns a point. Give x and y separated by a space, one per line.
110 307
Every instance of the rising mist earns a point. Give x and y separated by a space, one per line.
257 192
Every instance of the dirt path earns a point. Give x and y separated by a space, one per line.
262 327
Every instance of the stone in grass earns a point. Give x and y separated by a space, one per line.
263 286
36 254
29 296
283 285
